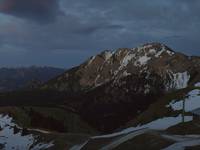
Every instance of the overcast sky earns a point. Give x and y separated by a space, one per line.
63 33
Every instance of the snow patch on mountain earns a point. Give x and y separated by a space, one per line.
197 84
178 80
126 60
159 124
192 102
146 53
170 52
143 60
91 60
96 81
125 74
159 53
129 133
15 141
147 89
152 51
108 54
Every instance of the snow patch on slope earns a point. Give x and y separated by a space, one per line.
159 53
192 102
178 80
91 60
129 133
152 51
147 89
108 55
143 60
13 141
170 52
159 124
126 60
197 84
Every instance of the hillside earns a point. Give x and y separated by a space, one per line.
162 126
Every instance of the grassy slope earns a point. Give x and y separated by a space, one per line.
159 109
73 125
70 122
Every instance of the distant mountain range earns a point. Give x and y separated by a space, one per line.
18 78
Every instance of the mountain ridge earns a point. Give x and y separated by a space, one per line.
109 65
113 87
26 77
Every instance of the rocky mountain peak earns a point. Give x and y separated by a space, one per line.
156 49
151 61
140 55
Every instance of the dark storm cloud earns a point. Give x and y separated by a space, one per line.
39 10
93 29
83 28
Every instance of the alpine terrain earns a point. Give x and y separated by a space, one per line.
116 86
124 99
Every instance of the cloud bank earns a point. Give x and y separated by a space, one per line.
65 32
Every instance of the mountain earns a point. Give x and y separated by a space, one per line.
113 87
151 61
124 99
17 78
